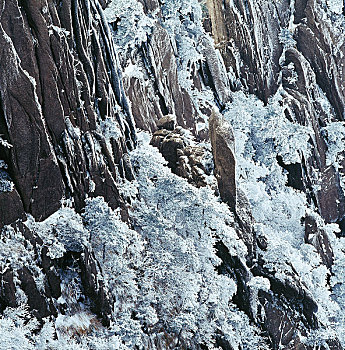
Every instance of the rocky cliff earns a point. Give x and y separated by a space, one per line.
172 174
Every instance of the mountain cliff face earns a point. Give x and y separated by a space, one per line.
172 174
302 53
59 80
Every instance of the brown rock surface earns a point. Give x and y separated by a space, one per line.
223 149
319 239
60 82
185 158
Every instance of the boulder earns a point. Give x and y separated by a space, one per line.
168 122
185 158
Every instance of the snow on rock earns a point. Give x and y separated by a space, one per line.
226 235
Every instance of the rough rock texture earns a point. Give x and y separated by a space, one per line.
168 122
61 83
249 42
11 207
61 86
303 107
163 95
223 149
289 44
184 157
317 44
8 291
281 323
319 239
93 286
43 303
157 90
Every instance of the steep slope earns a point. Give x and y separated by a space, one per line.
296 46
233 240
59 91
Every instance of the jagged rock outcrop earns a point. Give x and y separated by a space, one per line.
223 149
59 90
268 45
185 158
155 87
249 41
319 239
303 107
157 92
321 47
289 48
44 302
72 98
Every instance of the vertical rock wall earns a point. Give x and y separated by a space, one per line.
60 86
296 46
63 83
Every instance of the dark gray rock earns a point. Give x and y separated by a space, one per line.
93 287
60 81
7 290
168 122
11 208
36 301
248 40
57 87
154 98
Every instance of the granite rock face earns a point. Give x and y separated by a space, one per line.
249 41
289 45
60 87
184 156
223 149
74 92
162 95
